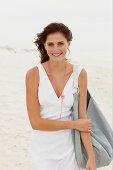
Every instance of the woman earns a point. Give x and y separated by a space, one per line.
49 98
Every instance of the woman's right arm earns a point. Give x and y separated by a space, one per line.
33 107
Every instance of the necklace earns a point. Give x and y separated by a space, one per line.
62 95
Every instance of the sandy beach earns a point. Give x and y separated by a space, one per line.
15 127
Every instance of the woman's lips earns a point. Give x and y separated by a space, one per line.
56 55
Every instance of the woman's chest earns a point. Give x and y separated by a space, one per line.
48 96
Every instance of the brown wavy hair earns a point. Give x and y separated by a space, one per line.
42 36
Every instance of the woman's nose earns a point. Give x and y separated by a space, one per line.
56 47
56 50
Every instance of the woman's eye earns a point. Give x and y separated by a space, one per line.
60 43
50 44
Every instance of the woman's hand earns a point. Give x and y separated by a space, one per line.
91 164
83 125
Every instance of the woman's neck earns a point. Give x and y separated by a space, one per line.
57 67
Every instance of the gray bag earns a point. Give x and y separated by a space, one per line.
101 132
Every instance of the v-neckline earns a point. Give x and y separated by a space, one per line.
52 85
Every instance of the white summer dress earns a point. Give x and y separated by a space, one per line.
53 150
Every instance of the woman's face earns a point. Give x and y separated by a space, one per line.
56 46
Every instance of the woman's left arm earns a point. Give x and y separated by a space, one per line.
86 139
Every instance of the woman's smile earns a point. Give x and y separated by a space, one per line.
56 54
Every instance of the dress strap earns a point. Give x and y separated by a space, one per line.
75 77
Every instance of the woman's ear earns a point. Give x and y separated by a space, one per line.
44 45
69 42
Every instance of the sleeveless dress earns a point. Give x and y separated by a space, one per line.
53 150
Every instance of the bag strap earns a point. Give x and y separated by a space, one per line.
75 77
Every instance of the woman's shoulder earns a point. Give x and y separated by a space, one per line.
32 75
32 71
81 68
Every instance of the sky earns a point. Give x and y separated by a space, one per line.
90 22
